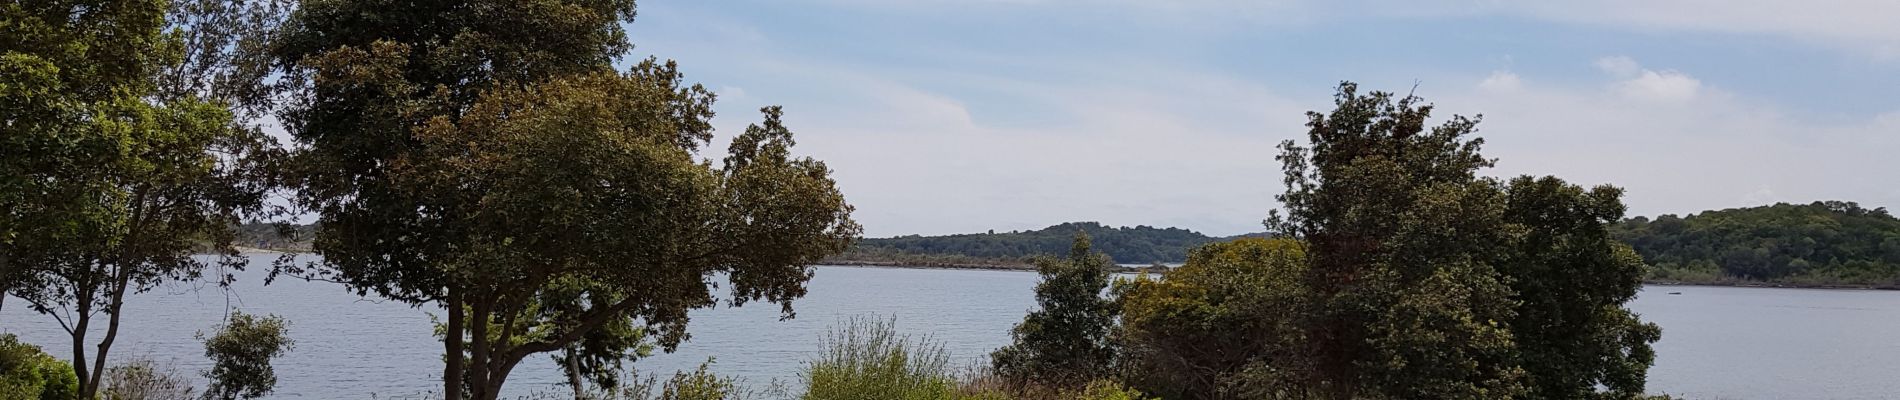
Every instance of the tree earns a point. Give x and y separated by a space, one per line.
1400 235
1428 281
492 162
241 353
63 76
1064 343
1570 280
28 373
1225 325
118 182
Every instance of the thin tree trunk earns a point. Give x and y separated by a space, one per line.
574 373
78 333
452 345
112 328
479 347
6 271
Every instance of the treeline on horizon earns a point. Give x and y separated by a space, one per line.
1823 243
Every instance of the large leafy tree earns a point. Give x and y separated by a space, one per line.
1064 343
1426 280
1570 280
62 73
117 181
1401 235
484 156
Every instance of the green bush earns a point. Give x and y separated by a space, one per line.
26 372
867 359
1106 390
144 379
241 352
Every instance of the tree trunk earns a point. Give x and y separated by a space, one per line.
6 283
81 322
120 284
452 346
499 374
574 373
478 349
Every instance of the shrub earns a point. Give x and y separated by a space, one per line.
1224 325
1064 343
867 359
241 353
700 384
1106 390
144 379
26 372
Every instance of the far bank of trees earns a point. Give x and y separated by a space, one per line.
1820 243
1127 245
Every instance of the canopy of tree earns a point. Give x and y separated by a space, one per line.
1828 242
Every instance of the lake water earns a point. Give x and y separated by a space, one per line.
1718 343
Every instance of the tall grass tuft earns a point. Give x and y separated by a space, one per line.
867 359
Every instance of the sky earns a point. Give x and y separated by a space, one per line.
958 116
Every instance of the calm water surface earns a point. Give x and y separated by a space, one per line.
1718 343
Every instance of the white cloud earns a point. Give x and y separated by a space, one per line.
1619 66
1763 195
1865 26
1718 151
1661 86
1501 81
1638 83
730 92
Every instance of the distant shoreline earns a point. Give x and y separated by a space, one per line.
1772 285
1002 266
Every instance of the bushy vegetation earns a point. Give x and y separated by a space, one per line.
1064 342
28 373
241 352
1218 326
145 379
867 359
1821 243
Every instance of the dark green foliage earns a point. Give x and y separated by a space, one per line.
1064 343
1137 245
486 156
1226 325
1427 281
241 353
1829 242
114 175
28 373
1570 279
1400 236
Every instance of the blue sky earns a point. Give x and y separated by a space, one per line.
945 116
